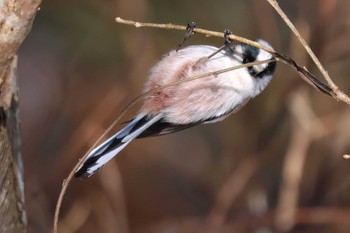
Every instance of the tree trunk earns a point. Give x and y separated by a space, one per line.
16 17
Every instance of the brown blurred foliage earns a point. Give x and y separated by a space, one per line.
276 166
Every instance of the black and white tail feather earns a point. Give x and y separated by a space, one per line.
140 127
107 150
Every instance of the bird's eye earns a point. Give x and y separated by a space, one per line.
248 57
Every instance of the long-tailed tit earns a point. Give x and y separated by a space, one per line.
204 100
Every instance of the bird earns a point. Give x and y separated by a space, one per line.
178 107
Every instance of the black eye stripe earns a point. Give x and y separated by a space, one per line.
250 54
269 70
246 53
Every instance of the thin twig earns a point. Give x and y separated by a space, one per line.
325 74
196 30
339 95
310 78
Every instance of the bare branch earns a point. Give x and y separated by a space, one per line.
331 90
293 166
207 33
339 95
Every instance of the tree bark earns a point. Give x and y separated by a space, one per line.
16 17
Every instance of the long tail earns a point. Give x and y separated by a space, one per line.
112 146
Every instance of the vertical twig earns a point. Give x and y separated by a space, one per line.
305 128
291 177
229 192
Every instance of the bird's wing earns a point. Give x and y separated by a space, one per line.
162 127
